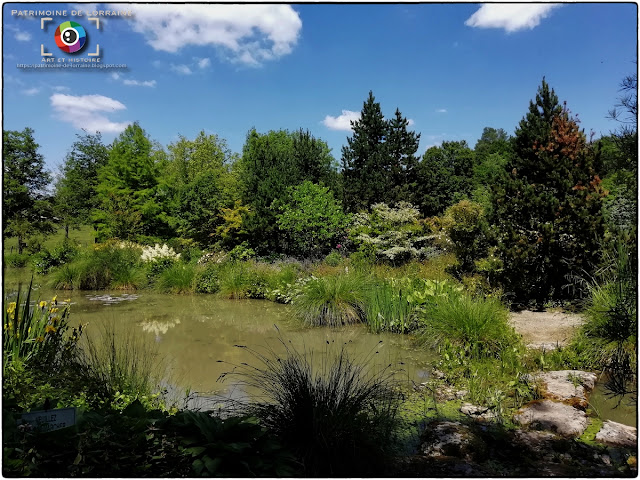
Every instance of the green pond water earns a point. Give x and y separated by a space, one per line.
196 336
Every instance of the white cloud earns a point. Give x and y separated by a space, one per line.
88 112
115 75
249 34
60 88
341 122
410 121
181 69
441 110
510 16
31 91
19 34
204 62
137 83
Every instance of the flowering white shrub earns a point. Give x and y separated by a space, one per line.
153 254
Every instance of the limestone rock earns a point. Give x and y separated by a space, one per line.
567 386
554 416
451 439
617 434
478 413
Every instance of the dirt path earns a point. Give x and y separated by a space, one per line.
545 329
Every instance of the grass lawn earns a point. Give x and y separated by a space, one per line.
84 235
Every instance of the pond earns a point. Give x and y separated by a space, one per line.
196 335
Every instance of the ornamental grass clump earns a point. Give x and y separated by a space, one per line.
333 300
479 326
337 417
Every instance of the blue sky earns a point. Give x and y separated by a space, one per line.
452 69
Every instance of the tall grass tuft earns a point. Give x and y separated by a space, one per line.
235 280
479 326
120 367
333 300
388 309
338 419
178 278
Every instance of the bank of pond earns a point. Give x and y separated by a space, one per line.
409 345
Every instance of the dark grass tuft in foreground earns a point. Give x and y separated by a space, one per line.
335 416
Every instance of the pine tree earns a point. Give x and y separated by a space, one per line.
547 207
401 146
365 166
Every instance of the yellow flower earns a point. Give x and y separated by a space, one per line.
55 320
54 310
12 307
55 300
40 339
50 328
67 300
42 304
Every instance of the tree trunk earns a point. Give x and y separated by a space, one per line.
66 231
20 245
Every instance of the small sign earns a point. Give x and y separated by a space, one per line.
49 420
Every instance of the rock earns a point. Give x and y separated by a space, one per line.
460 394
451 439
554 416
567 386
479 413
617 434
535 442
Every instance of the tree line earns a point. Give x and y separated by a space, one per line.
543 202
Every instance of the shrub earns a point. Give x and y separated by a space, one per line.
333 259
235 280
207 280
16 260
479 326
338 419
466 227
393 235
335 300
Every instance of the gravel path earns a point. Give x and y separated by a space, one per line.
545 329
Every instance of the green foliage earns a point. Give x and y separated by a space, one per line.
310 220
390 234
548 208
36 334
333 300
207 280
337 419
444 177
401 147
333 259
467 228
235 280
25 210
270 164
177 278
387 307
111 264
75 189
16 260
242 252
479 326
612 321
62 253
129 190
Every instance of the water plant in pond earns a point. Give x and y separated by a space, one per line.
338 418
178 278
388 308
333 300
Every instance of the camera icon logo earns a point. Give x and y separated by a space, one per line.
70 37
